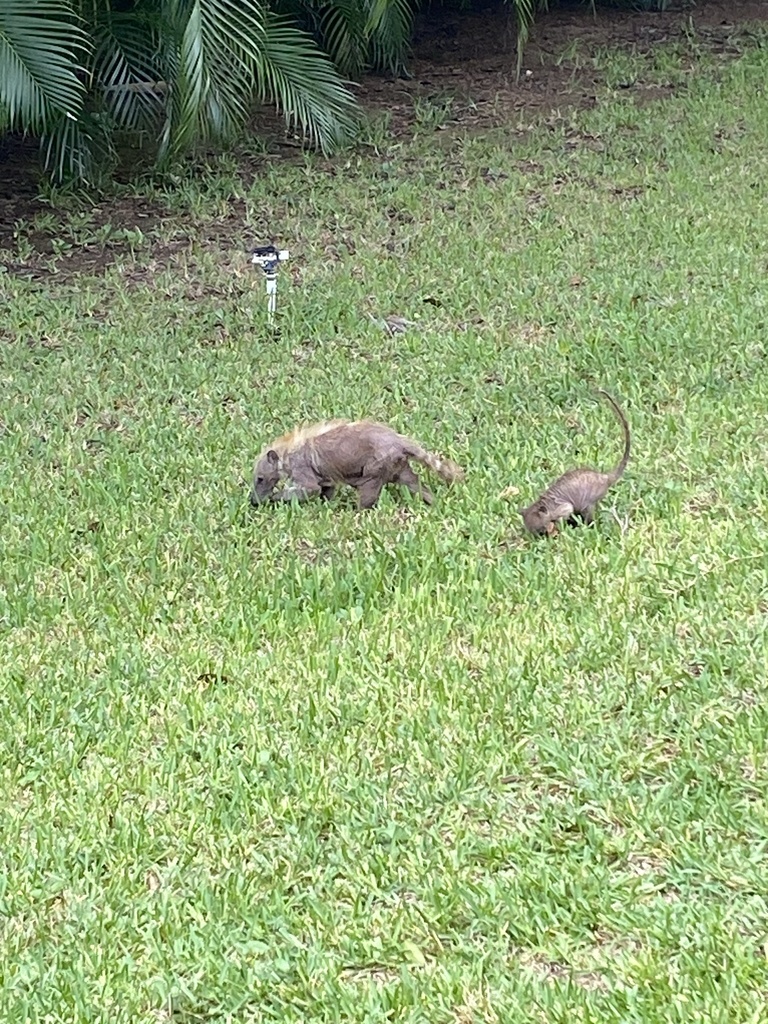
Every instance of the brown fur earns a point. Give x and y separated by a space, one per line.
575 494
313 460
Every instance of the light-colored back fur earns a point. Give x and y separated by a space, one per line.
299 436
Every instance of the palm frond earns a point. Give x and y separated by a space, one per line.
77 149
43 52
303 83
342 31
211 69
127 69
388 28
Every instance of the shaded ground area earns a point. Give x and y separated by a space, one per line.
462 74
474 53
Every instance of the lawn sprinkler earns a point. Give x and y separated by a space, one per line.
269 258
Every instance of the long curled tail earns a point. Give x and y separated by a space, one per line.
618 472
449 471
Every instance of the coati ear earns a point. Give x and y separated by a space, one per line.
272 457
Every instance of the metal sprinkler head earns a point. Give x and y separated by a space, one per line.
268 257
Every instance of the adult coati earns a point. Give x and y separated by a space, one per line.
575 494
313 460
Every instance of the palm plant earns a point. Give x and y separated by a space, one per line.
185 70
75 73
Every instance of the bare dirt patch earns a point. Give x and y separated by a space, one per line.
462 60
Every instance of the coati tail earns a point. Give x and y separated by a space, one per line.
619 470
444 468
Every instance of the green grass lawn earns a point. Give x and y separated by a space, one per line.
302 764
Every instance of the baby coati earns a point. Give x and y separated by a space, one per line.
574 495
312 460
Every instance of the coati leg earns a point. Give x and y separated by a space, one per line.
302 485
369 491
327 493
409 479
296 493
584 517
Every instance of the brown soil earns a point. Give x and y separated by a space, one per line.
467 56
473 54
